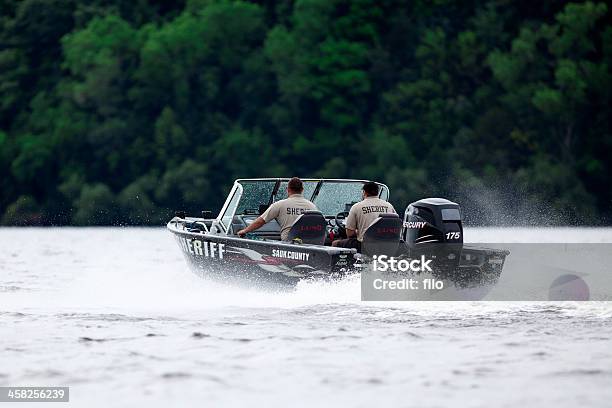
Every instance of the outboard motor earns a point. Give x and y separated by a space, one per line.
432 220
432 226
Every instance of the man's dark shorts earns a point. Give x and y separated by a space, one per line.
348 243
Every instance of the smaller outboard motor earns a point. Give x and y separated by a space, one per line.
432 220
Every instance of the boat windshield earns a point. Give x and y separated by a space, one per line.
334 196
309 189
254 194
330 198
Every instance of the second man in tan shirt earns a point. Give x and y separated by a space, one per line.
362 215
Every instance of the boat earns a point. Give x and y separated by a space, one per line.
431 227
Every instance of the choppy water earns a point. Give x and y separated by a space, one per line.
116 315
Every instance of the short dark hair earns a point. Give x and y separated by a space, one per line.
295 184
371 188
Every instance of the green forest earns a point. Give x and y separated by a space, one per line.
119 112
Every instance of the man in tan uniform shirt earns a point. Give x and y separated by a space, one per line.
284 211
362 215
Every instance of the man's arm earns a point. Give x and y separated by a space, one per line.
268 215
351 223
257 224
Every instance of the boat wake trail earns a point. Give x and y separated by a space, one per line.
138 270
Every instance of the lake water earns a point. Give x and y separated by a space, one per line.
116 315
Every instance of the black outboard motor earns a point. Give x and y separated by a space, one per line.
432 220
432 226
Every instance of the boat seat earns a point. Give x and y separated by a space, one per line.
310 228
382 236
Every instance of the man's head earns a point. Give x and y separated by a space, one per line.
295 186
370 189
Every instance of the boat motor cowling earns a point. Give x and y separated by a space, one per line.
432 221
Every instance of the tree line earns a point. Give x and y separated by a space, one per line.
115 112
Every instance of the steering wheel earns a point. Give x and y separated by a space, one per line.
340 221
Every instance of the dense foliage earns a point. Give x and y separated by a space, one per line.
118 111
